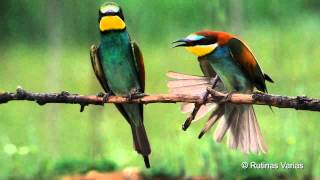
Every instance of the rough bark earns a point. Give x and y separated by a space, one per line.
298 103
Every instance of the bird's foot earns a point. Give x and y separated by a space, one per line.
105 96
135 93
214 82
63 94
227 98
100 94
259 92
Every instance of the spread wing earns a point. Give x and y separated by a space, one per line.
97 68
138 58
242 54
192 85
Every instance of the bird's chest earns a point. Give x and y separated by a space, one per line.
118 63
228 70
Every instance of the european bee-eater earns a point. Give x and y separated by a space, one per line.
230 58
118 65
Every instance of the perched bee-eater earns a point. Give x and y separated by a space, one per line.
118 65
230 58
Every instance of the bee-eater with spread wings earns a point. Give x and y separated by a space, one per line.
230 58
118 65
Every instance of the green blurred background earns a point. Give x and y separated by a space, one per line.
45 48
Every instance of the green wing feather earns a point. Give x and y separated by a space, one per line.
96 65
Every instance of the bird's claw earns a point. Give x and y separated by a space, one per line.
227 98
135 93
258 92
100 94
138 95
104 96
64 93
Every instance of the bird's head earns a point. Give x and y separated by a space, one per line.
203 42
111 17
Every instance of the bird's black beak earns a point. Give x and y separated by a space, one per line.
183 43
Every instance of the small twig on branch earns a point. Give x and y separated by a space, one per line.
198 105
298 103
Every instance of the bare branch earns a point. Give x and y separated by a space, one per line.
298 103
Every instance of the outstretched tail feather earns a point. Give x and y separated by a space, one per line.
243 129
224 125
141 142
261 144
253 139
239 120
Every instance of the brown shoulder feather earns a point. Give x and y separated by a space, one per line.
242 54
139 63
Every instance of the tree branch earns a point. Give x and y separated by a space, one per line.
298 103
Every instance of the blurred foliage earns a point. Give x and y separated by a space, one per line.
69 166
44 47
24 21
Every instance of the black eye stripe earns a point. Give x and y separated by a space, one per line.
199 42
205 41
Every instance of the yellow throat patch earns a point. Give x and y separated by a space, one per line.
108 23
202 50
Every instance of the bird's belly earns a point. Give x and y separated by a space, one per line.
123 80
231 74
120 72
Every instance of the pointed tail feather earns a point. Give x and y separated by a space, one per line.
239 120
260 141
224 123
141 142
243 129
